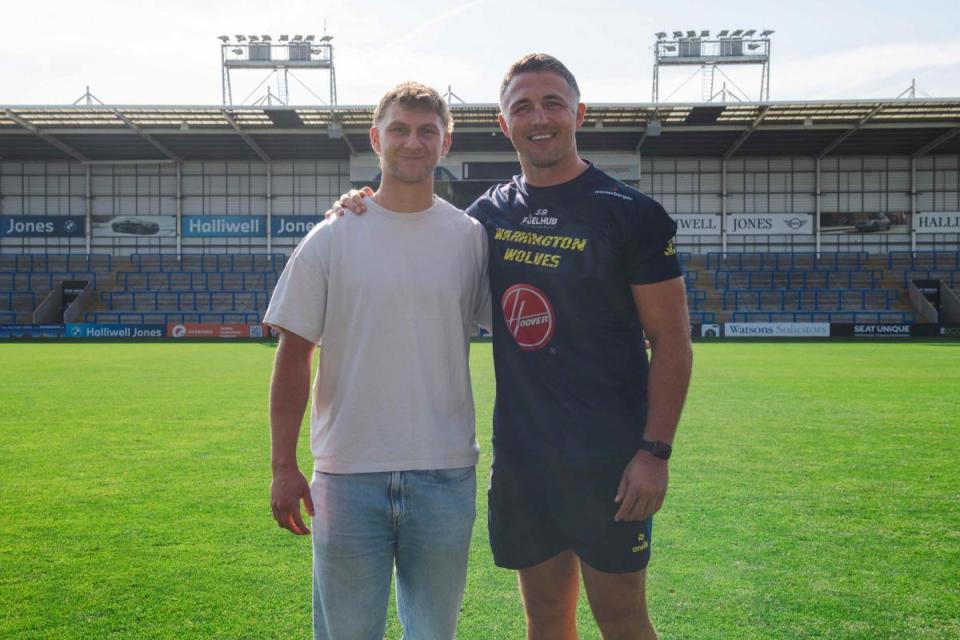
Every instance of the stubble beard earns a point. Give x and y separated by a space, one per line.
407 177
545 160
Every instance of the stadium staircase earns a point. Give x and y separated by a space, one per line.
209 288
26 280
851 287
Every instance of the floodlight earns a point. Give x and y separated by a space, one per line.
747 34
723 34
705 33
737 33
253 38
239 52
309 38
297 38
284 38
224 38
660 35
766 32
326 38
265 38
654 128
691 33
678 34
240 38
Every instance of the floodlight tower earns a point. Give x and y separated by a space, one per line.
692 48
280 58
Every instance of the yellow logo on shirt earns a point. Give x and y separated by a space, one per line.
669 249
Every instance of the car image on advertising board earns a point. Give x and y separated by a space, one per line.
135 227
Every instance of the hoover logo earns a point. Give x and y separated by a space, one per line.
530 318
710 330
178 331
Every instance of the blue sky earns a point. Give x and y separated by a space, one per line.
147 52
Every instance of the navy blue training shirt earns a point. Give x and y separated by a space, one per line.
568 345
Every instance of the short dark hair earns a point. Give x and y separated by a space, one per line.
414 95
539 62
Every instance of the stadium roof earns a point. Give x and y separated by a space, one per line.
109 134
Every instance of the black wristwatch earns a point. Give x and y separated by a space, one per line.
657 449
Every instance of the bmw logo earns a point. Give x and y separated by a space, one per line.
76 332
70 226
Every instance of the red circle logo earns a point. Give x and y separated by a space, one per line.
529 316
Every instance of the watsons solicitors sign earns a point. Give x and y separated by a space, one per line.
42 227
769 224
936 222
776 330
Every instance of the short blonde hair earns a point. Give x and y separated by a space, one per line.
414 95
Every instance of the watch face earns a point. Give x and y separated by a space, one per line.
661 450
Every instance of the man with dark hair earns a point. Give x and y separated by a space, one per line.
392 296
582 267
539 63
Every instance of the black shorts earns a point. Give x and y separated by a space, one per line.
537 508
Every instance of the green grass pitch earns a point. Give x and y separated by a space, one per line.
815 493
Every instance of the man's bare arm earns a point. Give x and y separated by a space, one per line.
289 393
662 308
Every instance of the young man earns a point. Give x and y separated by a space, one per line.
581 266
392 297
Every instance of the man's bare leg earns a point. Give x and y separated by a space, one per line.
619 603
549 592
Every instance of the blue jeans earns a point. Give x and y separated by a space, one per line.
367 523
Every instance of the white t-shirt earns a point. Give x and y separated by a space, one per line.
391 297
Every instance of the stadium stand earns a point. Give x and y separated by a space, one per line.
145 288
227 288
160 289
784 287
26 279
844 161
